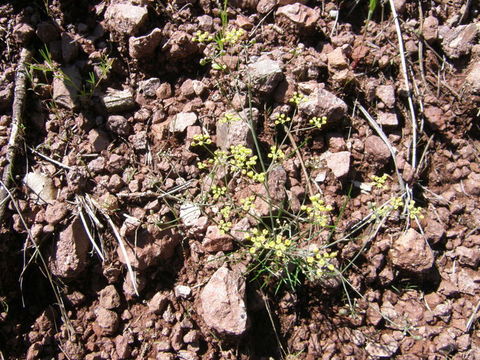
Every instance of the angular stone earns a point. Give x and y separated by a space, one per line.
56 212
215 241
144 46
109 297
158 303
98 139
472 184
337 59
435 118
182 121
125 19
222 303
180 46
149 87
387 120
149 246
237 131
118 100
410 252
298 14
386 93
376 149
119 125
385 348
430 29
468 256
65 89
189 214
460 40
265 75
106 323
69 255
182 291
339 163
323 103
434 232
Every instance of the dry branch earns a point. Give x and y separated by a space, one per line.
17 124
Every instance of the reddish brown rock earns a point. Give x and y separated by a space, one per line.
376 149
435 118
298 14
410 252
106 322
222 303
144 46
149 246
215 241
69 256
109 297
56 212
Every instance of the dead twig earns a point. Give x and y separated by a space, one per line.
407 84
121 244
20 93
45 157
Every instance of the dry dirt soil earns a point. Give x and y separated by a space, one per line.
111 242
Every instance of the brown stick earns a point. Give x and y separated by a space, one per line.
17 123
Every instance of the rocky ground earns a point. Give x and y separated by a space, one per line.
144 177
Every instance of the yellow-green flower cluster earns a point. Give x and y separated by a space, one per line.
414 211
202 37
238 159
297 98
224 226
317 211
381 212
247 203
229 118
276 153
320 262
226 212
201 139
242 158
232 36
263 240
397 202
318 121
282 119
218 191
379 181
